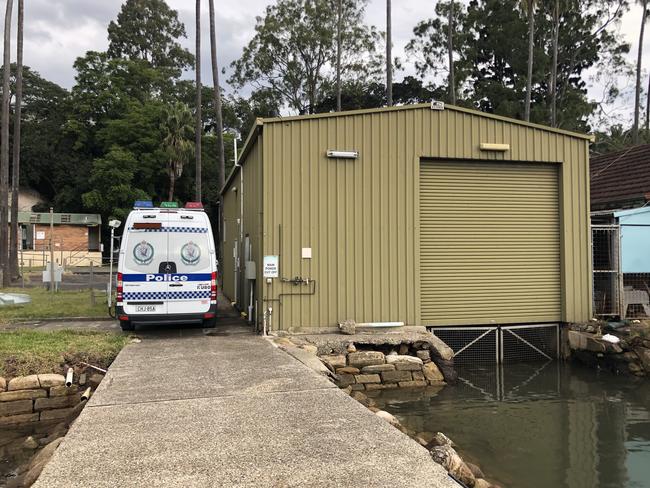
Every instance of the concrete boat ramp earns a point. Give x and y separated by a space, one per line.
185 409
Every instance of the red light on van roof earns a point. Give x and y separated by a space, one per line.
194 205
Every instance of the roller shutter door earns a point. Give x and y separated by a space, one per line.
489 243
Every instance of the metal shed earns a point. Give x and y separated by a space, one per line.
422 216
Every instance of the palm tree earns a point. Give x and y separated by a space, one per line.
4 152
637 91
199 122
15 177
450 49
339 15
178 129
389 62
529 6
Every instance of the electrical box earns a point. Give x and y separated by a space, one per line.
249 271
306 253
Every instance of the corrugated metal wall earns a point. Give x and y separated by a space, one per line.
230 233
361 217
490 243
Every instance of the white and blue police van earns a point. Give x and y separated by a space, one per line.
167 267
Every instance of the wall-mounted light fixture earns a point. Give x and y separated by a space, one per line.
342 154
488 146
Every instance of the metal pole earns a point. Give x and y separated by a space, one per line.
52 249
110 269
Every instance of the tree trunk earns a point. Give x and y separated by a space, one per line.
389 56
556 37
15 177
199 120
4 153
219 120
531 39
172 183
338 55
647 111
450 50
637 91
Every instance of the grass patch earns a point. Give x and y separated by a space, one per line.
25 352
47 305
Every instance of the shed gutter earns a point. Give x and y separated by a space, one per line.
255 131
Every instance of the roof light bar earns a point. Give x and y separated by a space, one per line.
194 205
168 204
143 204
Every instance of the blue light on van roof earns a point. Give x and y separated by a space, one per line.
143 204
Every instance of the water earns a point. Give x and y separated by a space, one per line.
540 425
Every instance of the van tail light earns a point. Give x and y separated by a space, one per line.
120 288
213 287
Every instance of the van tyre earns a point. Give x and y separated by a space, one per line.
127 326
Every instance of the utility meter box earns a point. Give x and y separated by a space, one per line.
249 271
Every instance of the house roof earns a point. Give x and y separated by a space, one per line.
257 128
621 178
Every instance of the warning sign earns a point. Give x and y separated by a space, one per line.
271 268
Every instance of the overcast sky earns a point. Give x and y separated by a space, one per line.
58 31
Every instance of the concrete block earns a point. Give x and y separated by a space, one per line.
347 370
24 418
48 380
56 402
10 396
377 368
15 408
57 391
24 383
365 358
405 363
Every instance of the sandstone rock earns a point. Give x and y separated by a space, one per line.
348 327
373 409
82 379
56 414
350 348
10 396
405 363
644 356
56 402
432 373
348 389
57 391
418 376
634 368
3 384
48 380
310 348
15 408
282 341
365 358
476 471
380 386
357 387
403 349
426 436
440 439
343 380
23 418
481 483
95 379
395 376
40 460
412 384
424 355
24 383
334 360
392 353
452 462
363 399
367 378
347 370
447 369
391 419
377 368
439 349
30 443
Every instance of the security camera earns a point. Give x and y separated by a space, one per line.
114 223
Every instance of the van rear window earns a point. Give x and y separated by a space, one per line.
147 225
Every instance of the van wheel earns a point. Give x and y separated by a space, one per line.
210 323
127 325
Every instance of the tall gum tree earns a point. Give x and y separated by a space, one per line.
4 151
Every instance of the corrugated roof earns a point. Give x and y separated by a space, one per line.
620 178
59 218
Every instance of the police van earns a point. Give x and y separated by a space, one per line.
167 268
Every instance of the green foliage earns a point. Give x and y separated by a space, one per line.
293 51
149 30
178 133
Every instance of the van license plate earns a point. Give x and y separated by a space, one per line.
145 308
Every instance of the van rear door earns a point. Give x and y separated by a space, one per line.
189 248
145 257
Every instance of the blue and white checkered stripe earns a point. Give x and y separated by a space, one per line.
164 295
191 230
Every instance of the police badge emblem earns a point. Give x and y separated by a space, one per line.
143 253
190 253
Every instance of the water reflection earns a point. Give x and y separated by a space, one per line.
540 425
